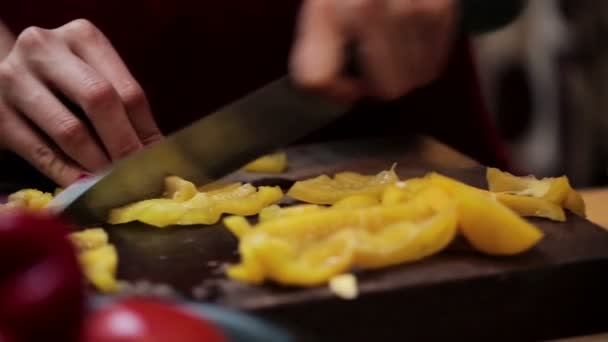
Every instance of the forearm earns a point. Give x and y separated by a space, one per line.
7 39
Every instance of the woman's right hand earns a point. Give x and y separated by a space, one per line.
78 62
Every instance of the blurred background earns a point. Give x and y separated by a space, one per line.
545 78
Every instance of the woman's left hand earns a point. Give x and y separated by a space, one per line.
402 45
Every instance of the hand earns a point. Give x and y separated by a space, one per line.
79 63
401 45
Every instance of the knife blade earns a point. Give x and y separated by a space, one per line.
206 150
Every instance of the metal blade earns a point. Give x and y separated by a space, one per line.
203 152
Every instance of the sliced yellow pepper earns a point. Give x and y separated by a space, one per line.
312 226
215 187
99 266
250 270
395 194
575 203
325 190
532 206
98 258
202 208
274 211
556 190
309 249
272 163
89 239
406 241
178 189
500 181
357 201
288 264
487 224
29 199
238 225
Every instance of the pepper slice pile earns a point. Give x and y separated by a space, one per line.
184 204
378 221
309 249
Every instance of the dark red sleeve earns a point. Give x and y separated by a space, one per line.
194 56
451 109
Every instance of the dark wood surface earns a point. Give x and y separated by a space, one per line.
558 289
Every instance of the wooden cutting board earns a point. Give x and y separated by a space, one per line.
556 290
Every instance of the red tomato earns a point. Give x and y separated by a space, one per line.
41 286
138 320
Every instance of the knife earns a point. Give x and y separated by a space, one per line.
203 152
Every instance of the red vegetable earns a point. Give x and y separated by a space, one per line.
41 287
139 319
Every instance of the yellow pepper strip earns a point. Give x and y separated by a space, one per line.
98 258
99 266
487 224
213 187
247 203
29 199
357 201
532 206
285 262
178 189
575 203
89 239
325 190
274 211
161 212
406 241
556 190
201 208
316 225
238 225
394 194
309 249
272 163
499 181
250 269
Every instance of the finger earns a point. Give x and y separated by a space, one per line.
90 44
378 44
96 96
429 28
18 136
318 52
69 133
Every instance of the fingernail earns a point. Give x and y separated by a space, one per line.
84 175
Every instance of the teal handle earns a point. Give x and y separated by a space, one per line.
238 326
